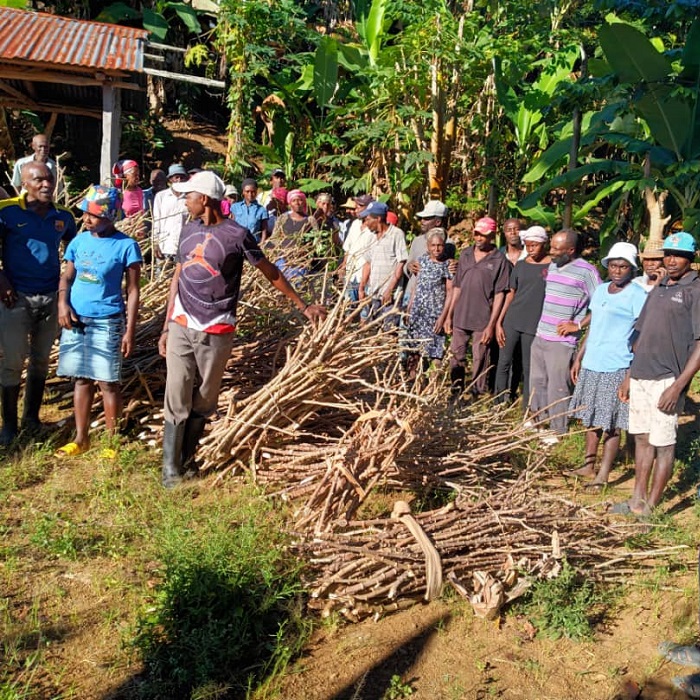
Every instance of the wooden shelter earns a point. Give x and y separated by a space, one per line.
59 65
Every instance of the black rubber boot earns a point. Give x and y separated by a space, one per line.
10 398
33 397
194 429
173 434
457 375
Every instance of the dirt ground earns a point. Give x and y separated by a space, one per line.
82 611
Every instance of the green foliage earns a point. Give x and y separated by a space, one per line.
564 606
227 608
397 689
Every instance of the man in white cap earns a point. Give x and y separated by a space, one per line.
200 319
666 357
169 215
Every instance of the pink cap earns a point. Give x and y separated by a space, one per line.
485 225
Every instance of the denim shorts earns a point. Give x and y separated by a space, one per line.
92 349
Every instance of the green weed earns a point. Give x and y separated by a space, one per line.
565 606
228 609
397 689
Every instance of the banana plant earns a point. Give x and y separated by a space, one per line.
649 133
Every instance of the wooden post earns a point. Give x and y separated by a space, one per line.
111 130
50 125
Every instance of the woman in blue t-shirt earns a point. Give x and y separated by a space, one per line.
96 336
603 360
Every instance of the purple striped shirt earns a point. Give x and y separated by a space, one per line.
567 294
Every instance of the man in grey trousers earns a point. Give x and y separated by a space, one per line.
200 321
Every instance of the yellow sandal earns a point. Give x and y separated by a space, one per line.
71 449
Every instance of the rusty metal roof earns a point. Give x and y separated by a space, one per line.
37 37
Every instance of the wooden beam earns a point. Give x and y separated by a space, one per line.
165 47
48 129
111 130
46 76
12 103
30 88
185 78
14 92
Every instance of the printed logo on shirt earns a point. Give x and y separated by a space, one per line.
196 258
678 297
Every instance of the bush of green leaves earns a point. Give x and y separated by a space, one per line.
227 611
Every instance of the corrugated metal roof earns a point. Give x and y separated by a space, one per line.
38 37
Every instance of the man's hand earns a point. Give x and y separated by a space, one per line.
163 343
452 266
388 298
159 253
500 335
487 335
668 402
567 328
414 267
8 296
315 312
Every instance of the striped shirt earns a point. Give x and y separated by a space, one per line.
567 294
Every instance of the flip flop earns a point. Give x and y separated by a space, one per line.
621 509
679 654
594 487
71 449
690 685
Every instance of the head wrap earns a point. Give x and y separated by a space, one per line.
534 233
121 168
297 194
280 194
102 201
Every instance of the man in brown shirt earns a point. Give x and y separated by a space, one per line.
480 287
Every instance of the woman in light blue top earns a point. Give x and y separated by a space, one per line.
603 360
95 335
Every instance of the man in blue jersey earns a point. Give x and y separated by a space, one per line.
31 231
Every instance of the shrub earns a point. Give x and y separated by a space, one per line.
227 610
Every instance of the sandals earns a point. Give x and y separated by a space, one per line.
594 487
680 654
625 509
71 449
690 685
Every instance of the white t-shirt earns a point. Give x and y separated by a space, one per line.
357 246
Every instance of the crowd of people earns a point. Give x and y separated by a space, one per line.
531 320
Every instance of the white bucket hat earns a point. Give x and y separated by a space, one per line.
625 251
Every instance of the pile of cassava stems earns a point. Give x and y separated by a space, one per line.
392 490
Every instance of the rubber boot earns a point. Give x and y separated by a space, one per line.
10 398
457 375
173 434
194 429
33 397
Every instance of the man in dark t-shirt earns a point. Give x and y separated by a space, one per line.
479 290
666 357
200 320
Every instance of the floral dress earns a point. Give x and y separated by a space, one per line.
428 303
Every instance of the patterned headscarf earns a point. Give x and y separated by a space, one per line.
298 194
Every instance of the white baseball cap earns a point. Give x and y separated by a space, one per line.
434 208
205 182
